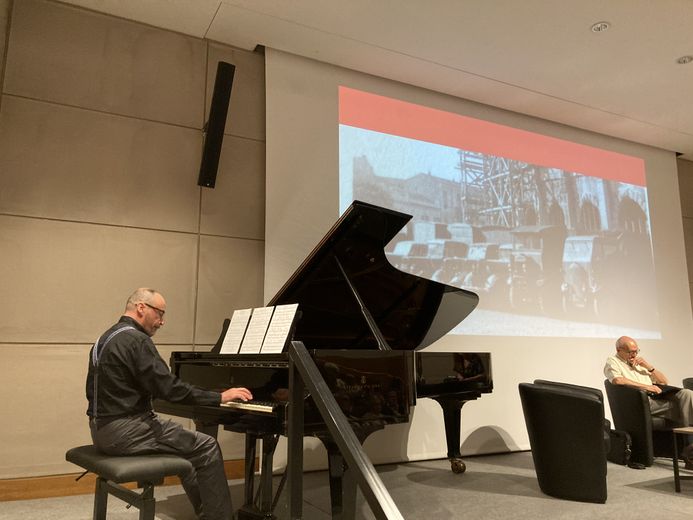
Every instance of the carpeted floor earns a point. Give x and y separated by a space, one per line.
494 487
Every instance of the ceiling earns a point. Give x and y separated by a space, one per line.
536 57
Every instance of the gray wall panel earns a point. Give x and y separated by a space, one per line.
68 163
80 58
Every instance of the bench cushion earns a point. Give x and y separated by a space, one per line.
128 468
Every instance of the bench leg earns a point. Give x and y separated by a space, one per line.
100 499
144 501
147 503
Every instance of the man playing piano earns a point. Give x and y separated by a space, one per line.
125 373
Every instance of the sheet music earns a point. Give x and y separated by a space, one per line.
279 328
236 331
255 334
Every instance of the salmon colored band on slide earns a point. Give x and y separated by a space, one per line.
390 116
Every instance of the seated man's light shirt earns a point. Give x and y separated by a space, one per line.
616 367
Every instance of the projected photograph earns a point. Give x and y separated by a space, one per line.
553 236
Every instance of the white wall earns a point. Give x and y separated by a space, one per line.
302 192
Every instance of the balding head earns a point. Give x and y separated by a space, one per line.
147 307
625 341
141 295
626 348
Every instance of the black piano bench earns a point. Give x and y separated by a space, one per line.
111 471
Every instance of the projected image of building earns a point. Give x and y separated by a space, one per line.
529 239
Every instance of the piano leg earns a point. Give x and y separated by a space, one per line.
250 454
452 414
342 485
269 443
249 511
342 480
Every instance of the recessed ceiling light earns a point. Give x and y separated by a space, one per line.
600 27
684 59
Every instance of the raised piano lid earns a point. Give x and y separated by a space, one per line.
410 311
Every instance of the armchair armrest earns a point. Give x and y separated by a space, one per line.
630 410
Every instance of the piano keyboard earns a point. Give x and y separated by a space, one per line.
251 406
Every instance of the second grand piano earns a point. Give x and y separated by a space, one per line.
365 324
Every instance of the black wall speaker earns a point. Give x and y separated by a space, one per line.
214 129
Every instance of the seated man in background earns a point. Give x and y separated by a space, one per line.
626 367
125 373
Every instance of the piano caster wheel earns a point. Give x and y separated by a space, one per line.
458 466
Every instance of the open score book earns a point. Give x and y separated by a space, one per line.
263 330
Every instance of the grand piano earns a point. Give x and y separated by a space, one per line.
364 323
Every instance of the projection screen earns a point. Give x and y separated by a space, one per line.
541 228
570 238
552 226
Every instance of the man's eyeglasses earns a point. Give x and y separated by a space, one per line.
160 312
631 352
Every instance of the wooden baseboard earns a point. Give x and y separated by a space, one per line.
66 485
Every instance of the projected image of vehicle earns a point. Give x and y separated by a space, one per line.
486 273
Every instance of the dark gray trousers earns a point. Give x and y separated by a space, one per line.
678 407
206 485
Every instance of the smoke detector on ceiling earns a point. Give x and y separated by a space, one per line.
600 27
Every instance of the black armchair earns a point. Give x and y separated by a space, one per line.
578 388
565 424
630 411
594 391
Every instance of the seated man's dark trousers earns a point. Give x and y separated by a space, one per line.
206 485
